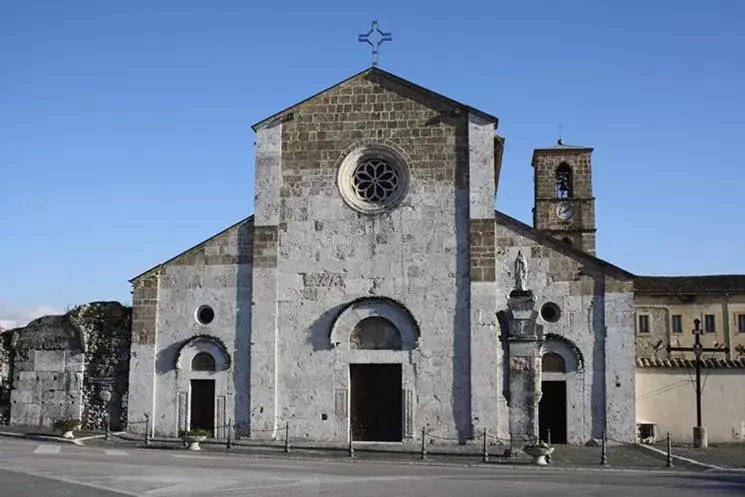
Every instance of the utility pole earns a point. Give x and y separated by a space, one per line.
699 432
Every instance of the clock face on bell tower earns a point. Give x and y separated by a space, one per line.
565 211
564 206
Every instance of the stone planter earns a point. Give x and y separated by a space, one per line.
68 434
538 454
193 441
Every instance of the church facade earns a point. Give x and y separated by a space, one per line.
376 291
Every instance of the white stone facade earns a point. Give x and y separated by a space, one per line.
290 285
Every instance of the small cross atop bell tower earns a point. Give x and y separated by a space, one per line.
564 206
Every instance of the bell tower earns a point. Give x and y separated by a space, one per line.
564 206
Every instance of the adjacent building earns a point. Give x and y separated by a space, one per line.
666 308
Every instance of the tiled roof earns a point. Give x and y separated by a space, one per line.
677 362
689 285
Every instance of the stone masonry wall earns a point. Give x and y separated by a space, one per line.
581 228
218 274
329 255
6 375
106 331
58 361
482 247
592 299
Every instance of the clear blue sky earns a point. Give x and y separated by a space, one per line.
126 125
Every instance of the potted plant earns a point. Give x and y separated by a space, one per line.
66 426
538 452
193 437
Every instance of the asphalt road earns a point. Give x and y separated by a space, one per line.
29 468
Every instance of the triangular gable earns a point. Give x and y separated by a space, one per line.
195 247
374 71
559 246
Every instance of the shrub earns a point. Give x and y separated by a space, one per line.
195 433
66 424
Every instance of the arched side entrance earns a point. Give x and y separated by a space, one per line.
561 362
372 337
203 385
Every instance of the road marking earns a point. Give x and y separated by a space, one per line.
115 452
48 449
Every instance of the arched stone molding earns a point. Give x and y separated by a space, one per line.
574 377
345 356
573 358
224 400
381 307
202 343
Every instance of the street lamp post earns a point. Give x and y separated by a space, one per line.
700 440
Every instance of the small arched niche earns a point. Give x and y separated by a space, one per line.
551 362
203 361
558 350
564 181
375 333
375 324
203 354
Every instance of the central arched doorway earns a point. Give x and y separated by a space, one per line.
373 337
376 402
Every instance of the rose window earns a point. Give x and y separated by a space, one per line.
375 180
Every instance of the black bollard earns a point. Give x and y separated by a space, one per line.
485 450
669 451
424 443
229 443
351 443
604 450
287 436
147 429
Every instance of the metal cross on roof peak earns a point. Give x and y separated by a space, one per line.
561 129
375 45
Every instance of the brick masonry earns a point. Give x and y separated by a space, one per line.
144 308
265 246
580 230
482 250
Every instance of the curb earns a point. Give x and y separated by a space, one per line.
478 465
43 438
709 467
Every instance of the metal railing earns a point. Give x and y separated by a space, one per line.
489 448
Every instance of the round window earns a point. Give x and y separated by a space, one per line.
373 179
205 314
550 312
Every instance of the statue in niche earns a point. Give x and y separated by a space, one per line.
521 273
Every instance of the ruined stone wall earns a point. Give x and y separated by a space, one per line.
6 373
105 328
56 359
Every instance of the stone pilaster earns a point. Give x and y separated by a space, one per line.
524 339
264 366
